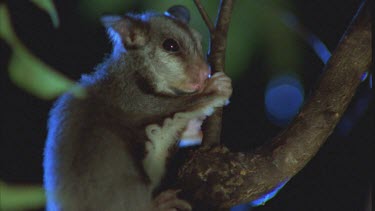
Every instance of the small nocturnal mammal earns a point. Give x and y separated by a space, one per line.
108 150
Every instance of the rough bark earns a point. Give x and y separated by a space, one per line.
216 59
214 178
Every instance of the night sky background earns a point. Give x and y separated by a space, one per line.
337 178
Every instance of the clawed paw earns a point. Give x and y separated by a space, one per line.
219 84
168 201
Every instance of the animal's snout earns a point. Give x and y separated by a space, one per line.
204 72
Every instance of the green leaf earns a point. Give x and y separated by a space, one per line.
30 73
49 7
6 31
23 197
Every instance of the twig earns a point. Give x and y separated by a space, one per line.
205 16
216 59
233 178
216 56
225 14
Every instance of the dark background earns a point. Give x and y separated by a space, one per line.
337 178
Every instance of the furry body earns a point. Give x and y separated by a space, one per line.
108 151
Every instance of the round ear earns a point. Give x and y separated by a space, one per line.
179 12
128 30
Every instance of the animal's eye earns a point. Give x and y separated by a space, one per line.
171 45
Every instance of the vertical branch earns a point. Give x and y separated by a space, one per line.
218 43
216 59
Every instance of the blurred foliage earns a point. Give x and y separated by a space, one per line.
30 73
257 27
21 197
49 7
93 9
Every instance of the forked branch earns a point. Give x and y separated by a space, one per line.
215 178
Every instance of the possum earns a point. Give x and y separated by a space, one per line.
109 149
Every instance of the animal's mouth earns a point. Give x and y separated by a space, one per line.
188 88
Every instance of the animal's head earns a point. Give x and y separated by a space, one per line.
169 48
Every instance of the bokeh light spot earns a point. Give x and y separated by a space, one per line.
283 98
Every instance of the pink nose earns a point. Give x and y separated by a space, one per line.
200 72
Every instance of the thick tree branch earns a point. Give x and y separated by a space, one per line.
216 59
216 178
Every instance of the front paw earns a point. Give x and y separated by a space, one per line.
219 85
167 201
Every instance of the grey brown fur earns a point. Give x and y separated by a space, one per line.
108 151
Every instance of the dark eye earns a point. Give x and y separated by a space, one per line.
171 45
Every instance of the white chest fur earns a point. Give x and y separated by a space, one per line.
162 138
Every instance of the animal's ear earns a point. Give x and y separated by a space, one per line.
179 12
130 31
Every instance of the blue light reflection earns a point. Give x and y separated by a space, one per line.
320 48
263 199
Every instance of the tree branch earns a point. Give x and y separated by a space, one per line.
216 59
215 178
